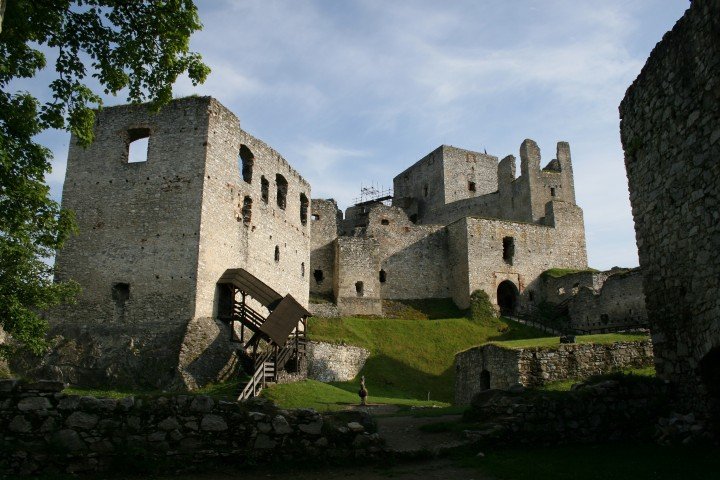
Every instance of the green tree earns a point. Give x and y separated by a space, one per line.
136 47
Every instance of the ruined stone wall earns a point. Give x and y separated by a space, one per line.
670 131
165 230
45 431
329 362
504 367
619 303
324 225
468 174
424 182
559 289
537 248
356 283
412 258
139 225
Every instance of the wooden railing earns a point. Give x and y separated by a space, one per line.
265 372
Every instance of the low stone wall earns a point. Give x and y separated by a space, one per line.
614 410
45 430
326 310
328 362
493 366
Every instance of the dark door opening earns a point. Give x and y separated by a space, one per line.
507 298
484 380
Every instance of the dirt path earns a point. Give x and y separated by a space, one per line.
403 434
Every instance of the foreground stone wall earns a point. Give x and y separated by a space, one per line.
43 430
494 367
670 131
610 411
328 362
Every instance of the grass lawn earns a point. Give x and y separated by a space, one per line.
555 341
611 461
409 358
565 385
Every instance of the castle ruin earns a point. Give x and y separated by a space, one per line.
156 236
459 221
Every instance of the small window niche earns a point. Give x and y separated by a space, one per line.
138 144
121 294
552 191
359 289
604 318
247 210
302 269
315 217
383 276
471 187
384 221
282 188
277 253
304 205
318 276
531 296
264 189
425 190
246 160
508 249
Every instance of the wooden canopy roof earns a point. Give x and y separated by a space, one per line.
253 286
283 320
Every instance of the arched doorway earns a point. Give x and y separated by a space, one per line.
484 380
507 298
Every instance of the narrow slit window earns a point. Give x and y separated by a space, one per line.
302 269
282 188
471 186
318 275
246 161
247 210
552 191
383 276
359 289
264 189
425 190
277 253
121 294
304 204
138 144
508 250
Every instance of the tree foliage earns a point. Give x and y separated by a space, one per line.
481 308
138 48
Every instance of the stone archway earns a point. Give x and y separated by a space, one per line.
507 298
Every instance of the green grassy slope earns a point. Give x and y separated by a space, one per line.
550 342
408 358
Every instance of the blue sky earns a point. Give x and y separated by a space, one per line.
353 92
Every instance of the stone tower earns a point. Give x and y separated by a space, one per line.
156 235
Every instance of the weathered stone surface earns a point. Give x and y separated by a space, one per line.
263 442
168 424
328 362
669 124
213 423
68 440
495 367
82 420
314 428
33 403
202 403
19 424
44 386
281 426
355 427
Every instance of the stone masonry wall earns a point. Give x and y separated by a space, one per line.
324 231
619 303
328 362
356 283
45 431
670 130
538 365
138 225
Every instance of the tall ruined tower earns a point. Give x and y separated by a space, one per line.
156 236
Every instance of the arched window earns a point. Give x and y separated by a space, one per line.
304 204
246 161
247 210
282 187
277 253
